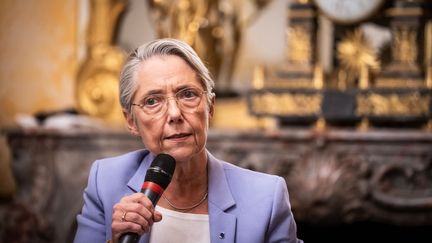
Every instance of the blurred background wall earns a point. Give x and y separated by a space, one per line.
43 44
39 56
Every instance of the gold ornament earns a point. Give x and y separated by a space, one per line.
356 57
299 48
97 90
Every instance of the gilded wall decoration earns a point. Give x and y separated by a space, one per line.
299 49
404 46
213 28
282 104
412 104
97 80
357 58
299 66
377 65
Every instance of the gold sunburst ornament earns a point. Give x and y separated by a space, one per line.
357 57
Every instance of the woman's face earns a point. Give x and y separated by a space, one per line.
182 133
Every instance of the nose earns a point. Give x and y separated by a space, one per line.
173 110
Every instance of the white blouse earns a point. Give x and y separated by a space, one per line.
180 227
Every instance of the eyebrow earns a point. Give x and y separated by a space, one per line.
185 86
160 91
154 91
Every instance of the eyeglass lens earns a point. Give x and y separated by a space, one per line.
187 100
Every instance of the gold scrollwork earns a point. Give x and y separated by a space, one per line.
404 47
97 80
286 104
393 105
299 45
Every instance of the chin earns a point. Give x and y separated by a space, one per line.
183 154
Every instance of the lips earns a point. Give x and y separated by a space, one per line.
178 135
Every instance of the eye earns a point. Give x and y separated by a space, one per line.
152 100
188 94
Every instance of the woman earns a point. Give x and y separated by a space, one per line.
167 97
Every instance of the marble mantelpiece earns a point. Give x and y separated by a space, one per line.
334 176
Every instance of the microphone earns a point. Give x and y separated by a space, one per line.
157 178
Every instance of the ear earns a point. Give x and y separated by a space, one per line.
131 124
211 106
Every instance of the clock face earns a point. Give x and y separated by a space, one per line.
348 11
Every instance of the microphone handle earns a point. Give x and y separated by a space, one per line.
129 238
134 237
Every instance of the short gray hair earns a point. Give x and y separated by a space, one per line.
161 47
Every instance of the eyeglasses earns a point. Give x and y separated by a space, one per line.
187 100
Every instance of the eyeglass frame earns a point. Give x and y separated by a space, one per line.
167 97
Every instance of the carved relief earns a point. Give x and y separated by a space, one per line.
35 174
404 184
328 187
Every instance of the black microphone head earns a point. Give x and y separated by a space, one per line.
161 170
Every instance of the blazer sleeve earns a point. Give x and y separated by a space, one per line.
282 227
91 220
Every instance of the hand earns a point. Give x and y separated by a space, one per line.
134 213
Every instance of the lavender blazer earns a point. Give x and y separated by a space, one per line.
244 206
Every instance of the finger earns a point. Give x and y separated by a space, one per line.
133 212
137 197
145 201
125 220
140 198
138 208
138 219
119 211
118 228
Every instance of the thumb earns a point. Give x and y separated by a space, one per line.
157 216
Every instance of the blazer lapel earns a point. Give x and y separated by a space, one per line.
136 181
222 223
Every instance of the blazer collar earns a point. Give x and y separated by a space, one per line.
223 224
219 191
136 181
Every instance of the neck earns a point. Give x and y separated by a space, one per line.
190 174
188 186
189 177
